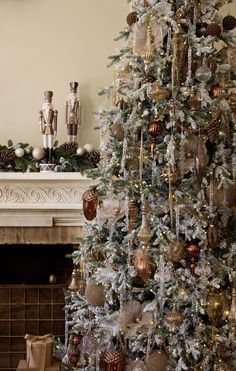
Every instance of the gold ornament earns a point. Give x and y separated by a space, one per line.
52 279
112 360
158 92
90 202
143 264
95 294
158 360
176 251
74 285
133 213
232 313
214 307
144 234
169 174
174 318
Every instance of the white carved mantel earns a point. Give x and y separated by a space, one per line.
41 199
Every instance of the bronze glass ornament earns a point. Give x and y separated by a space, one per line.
144 235
143 264
154 130
193 251
90 203
112 360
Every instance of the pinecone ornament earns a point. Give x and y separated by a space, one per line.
113 360
213 130
147 79
132 18
229 22
93 157
70 147
6 155
213 29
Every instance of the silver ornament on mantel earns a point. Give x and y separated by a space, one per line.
203 74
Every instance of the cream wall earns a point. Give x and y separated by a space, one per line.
45 44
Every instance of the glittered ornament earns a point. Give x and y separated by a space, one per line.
132 18
216 91
95 294
213 128
203 74
229 22
158 360
112 360
90 202
176 251
213 29
118 131
174 318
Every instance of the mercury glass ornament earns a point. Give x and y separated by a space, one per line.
203 74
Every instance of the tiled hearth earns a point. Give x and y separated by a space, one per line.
35 209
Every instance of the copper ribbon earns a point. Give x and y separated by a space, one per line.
43 339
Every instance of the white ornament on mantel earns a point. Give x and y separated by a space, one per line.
81 151
89 147
19 152
38 153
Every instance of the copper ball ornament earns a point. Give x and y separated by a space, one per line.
154 128
132 18
112 360
193 250
95 294
90 203
229 22
157 361
213 29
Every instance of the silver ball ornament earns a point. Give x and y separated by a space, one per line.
89 147
203 74
19 152
38 153
80 151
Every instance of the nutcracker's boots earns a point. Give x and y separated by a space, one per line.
46 155
50 152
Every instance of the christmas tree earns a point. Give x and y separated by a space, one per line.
154 282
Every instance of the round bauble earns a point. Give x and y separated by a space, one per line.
112 360
213 29
157 361
19 152
95 294
154 128
217 196
118 131
193 250
80 151
28 150
38 153
52 279
203 74
131 18
89 147
229 22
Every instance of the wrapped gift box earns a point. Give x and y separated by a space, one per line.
39 351
22 366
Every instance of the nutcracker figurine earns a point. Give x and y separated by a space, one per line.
48 127
73 107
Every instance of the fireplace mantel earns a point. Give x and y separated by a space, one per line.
42 199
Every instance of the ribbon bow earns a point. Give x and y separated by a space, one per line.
43 339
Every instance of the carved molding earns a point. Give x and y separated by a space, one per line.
36 194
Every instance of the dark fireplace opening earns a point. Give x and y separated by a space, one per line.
35 264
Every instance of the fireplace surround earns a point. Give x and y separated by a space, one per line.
37 211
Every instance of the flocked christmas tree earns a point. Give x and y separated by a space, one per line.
155 282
